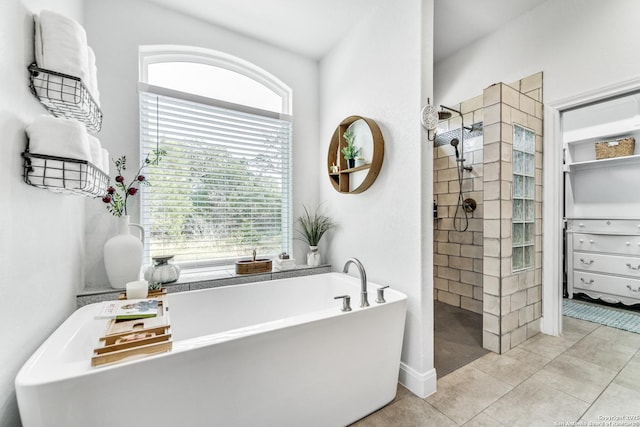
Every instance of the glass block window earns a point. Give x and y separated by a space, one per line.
524 189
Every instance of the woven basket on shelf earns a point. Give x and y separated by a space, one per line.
617 148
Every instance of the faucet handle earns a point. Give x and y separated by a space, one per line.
380 298
346 302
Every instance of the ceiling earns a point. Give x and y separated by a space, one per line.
312 27
460 22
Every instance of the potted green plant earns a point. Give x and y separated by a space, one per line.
350 151
313 226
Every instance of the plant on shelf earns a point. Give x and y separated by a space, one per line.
314 225
350 151
117 196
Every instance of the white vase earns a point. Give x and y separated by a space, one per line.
123 254
313 257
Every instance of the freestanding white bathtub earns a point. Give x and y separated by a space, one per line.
276 353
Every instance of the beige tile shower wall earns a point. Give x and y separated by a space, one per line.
458 254
512 300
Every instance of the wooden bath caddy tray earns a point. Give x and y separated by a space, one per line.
152 294
139 337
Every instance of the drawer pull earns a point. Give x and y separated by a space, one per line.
590 241
628 243
633 290
633 268
582 225
587 263
581 240
590 282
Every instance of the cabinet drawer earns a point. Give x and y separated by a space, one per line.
595 262
595 285
625 245
612 226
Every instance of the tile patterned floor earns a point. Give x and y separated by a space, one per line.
590 374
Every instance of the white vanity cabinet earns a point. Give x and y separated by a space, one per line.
602 201
603 259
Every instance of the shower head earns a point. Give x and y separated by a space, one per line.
454 143
446 112
444 115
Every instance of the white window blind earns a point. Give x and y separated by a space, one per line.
223 188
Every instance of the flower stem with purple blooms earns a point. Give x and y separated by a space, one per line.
116 197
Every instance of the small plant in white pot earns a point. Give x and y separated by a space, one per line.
313 226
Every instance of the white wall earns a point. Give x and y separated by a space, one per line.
580 45
41 233
376 72
115 30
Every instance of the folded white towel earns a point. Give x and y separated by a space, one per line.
92 76
60 137
61 45
284 264
95 151
106 161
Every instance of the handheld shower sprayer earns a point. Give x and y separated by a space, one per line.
464 206
454 143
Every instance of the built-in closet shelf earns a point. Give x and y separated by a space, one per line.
65 96
592 164
64 175
606 131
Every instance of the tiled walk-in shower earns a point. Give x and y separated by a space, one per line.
494 266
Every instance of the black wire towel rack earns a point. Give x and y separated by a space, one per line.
65 96
64 175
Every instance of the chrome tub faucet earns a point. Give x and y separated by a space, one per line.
363 280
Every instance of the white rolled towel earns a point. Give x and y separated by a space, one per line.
52 87
106 161
55 136
61 45
58 137
95 151
56 174
92 76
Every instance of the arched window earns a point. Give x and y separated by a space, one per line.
223 188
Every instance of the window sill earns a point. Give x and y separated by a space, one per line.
202 280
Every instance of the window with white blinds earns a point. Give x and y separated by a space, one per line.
223 188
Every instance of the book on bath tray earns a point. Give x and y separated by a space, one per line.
129 309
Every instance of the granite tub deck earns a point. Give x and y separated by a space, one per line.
209 279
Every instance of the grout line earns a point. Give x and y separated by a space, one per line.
538 370
612 380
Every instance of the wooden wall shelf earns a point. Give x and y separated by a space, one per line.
341 180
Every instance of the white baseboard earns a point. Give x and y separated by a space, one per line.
422 385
